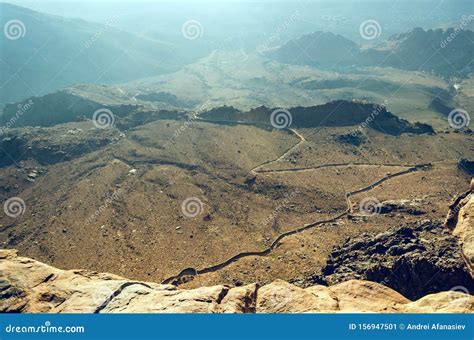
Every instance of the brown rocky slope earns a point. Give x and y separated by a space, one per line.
29 286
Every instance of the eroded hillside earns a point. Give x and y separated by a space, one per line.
163 195
29 286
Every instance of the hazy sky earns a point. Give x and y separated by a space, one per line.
232 17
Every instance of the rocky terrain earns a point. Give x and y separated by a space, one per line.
28 286
52 146
337 57
250 174
272 203
415 264
414 261
460 221
69 106
343 113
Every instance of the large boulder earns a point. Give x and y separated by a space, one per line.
29 286
464 227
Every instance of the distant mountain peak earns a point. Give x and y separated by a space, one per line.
446 52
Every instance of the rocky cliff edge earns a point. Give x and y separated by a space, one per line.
30 286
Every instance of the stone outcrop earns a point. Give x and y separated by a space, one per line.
53 145
414 260
29 286
461 218
466 165
355 138
412 207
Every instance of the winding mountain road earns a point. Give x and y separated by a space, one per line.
409 169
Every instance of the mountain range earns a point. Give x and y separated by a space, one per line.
444 52
56 52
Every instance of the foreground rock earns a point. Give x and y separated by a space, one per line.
29 286
461 220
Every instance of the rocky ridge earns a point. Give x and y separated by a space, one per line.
396 51
342 113
68 105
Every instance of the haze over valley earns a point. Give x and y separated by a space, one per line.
232 143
